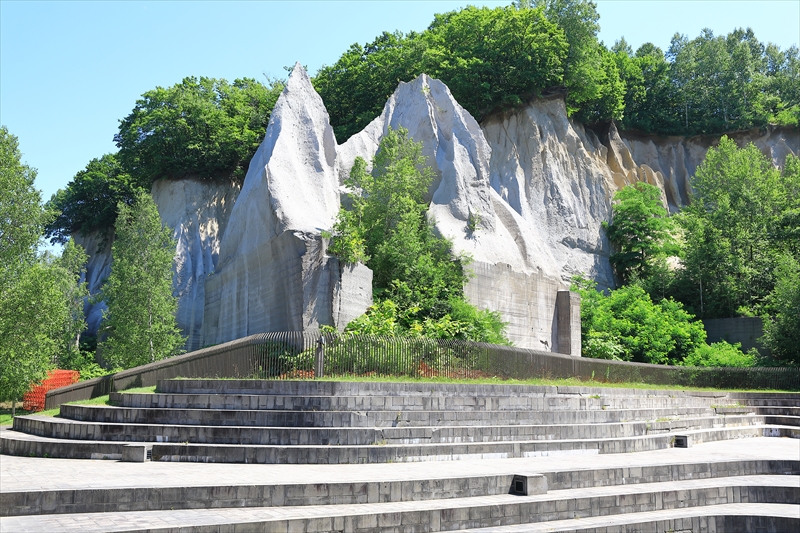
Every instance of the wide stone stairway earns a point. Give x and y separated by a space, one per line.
367 456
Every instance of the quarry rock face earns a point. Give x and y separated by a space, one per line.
509 268
524 195
552 174
560 178
198 212
274 273
457 152
97 245
673 160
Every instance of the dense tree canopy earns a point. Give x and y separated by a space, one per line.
89 202
733 229
202 126
627 325
489 58
35 316
21 215
710 84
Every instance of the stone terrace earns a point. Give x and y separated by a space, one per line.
406 457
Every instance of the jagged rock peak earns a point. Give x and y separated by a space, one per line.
462 201
291 184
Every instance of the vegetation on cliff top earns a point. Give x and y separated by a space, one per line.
491 59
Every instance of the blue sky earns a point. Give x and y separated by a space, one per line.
69 71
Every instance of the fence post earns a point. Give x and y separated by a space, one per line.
319 367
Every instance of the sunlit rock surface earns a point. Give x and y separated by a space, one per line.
198 212
274 273
523 194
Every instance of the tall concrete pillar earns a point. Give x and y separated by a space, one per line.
568 323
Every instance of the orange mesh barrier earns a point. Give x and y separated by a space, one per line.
33 400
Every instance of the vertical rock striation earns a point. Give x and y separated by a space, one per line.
198 212
97 245
511 272
524 195
274 273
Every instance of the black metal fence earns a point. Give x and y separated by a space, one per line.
308 355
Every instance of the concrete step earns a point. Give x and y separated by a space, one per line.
407 402
791 411
395 453
723 518
65 501
24 444
166 430
437 514
352 419
343 388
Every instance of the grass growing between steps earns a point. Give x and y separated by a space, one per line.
5 408
562 382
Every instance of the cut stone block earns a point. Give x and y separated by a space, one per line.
528 484
134 453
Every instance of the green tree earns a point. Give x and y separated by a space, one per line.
32 320
202 127
782 327
417 281
650 104
640 231
494 58
33 312
89 202
489 58
22 217
730 228
139 325
627 325
594 90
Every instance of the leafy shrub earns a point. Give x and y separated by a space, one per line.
647 332
721 354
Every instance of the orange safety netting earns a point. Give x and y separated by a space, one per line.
33 400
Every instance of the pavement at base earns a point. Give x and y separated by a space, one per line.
31 473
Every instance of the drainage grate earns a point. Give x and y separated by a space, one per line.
149 454
681 441
519 486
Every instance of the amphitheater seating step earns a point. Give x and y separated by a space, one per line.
334 456
446 514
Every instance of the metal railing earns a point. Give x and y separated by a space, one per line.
308 355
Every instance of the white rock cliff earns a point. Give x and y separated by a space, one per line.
524 194
274 273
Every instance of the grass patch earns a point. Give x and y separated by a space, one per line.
552 382
561 382
5 409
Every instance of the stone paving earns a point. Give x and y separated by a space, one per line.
38 474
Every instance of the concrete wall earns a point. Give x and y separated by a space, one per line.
746 330
290 284
529 303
